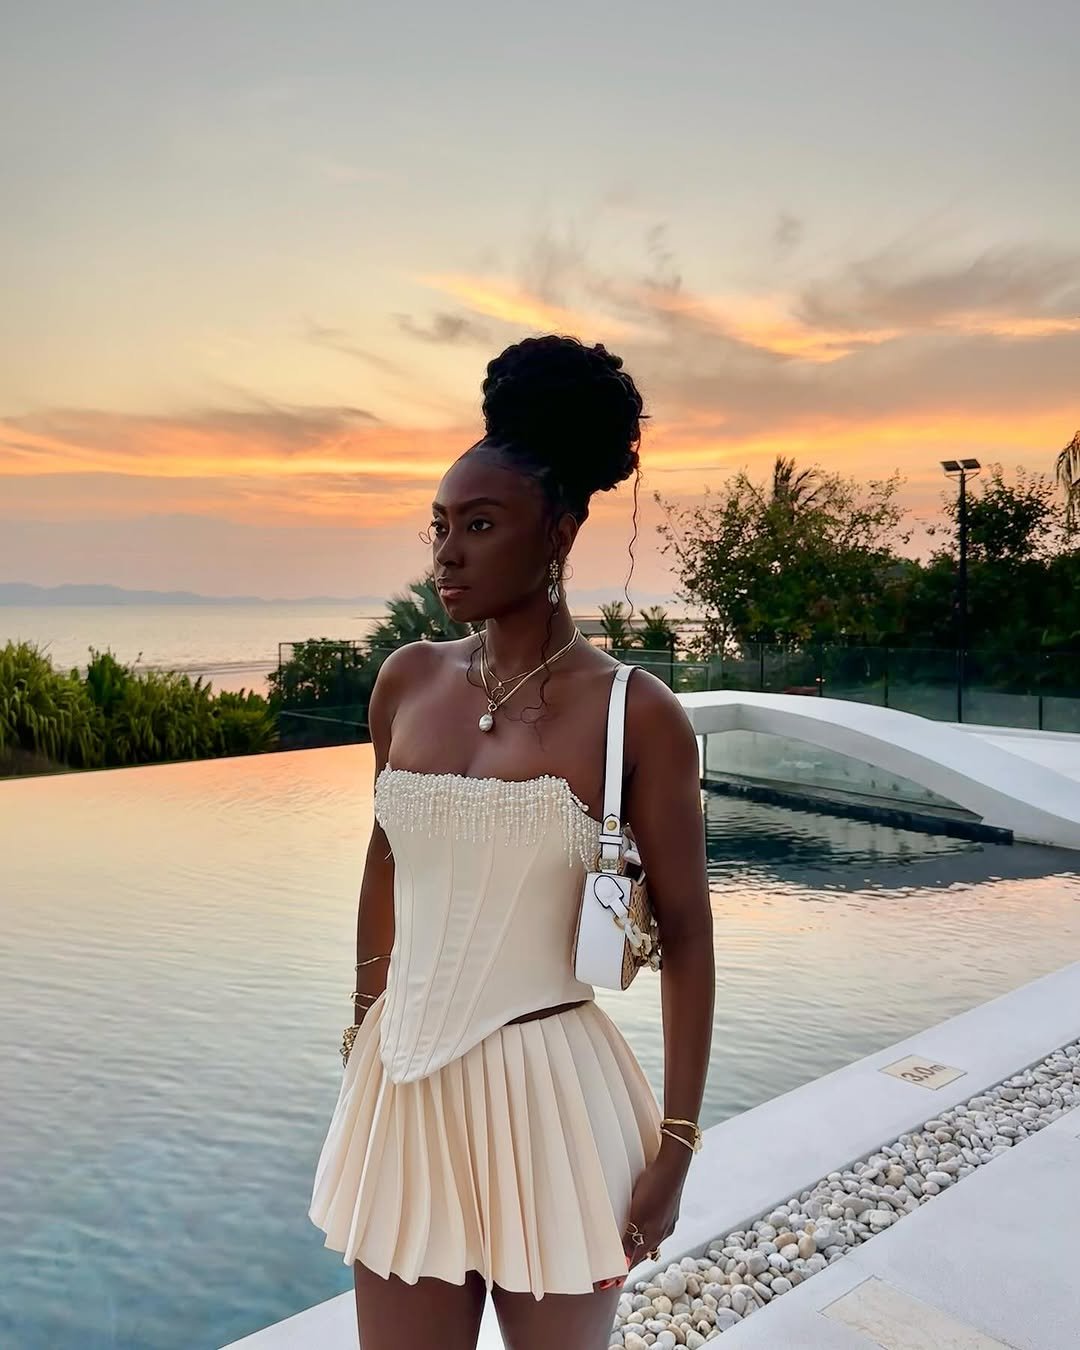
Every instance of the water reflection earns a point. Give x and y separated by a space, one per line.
175 951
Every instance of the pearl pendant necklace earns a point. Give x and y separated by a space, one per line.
498 694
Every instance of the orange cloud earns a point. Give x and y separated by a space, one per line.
513 304
1012 326
264 470
278 445
763 323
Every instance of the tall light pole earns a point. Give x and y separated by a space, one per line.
961 469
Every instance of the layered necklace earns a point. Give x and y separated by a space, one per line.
500 690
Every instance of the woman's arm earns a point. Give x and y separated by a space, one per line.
375 913
663 807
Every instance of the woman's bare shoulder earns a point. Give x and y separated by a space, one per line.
657 726
416 661
412 665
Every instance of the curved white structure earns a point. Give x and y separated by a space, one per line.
1036 802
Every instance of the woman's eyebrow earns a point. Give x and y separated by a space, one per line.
465 506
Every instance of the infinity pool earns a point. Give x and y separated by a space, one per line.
176 947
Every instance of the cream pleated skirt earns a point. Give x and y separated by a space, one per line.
517 1159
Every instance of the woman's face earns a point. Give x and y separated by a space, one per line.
491 543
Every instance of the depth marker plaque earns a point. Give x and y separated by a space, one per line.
927 1073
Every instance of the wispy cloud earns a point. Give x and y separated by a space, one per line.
512 303
894 288
444 328
787 234
890 362
332 464
890 339
340 340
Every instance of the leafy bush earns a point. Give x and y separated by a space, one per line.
114 717
45 713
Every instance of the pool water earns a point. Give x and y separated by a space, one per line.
176 947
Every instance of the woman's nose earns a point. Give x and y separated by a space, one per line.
448 548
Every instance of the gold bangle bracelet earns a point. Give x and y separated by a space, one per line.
693 1144
693 1147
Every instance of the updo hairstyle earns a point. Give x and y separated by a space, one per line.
567 414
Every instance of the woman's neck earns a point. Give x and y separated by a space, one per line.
515 642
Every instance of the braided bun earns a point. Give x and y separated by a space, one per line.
569 409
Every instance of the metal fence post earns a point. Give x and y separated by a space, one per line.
960 684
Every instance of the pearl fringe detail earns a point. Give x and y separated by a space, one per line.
475 809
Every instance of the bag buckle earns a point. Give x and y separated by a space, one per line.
611 841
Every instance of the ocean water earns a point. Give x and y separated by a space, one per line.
232 646
176 953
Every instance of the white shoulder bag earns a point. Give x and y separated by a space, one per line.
617 932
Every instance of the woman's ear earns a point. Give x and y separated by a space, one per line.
566 532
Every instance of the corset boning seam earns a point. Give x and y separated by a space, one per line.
400 982
481 984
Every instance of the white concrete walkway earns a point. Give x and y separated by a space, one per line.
759 1159
990 1264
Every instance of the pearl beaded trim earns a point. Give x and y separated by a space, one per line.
474 809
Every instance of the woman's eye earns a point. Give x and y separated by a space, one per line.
437 526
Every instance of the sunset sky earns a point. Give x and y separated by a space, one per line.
255 255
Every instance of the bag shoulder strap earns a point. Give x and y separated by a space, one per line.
611 837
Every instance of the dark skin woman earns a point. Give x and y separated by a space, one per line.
495 530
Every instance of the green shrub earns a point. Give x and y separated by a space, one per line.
115 717
45 713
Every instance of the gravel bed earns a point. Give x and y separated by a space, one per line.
696 1299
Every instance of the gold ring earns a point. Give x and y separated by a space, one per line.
637 1235
654 1255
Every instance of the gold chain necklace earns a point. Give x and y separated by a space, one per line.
498 693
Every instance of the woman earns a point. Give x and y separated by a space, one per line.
493 1131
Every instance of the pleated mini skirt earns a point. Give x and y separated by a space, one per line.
517 1159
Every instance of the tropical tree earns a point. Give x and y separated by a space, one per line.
656 632
413 617
615 623
321 671
807 557
795 488
338 677
1017 551
1067 471
1006 522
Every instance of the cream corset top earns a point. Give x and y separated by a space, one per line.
487 888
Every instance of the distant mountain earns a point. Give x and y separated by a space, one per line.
24 594
27 596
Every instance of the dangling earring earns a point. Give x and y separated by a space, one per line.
554 578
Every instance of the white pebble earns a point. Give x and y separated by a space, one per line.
673 1283
697 1298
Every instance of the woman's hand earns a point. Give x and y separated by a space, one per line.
654 1207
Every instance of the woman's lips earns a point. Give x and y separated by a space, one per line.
451 592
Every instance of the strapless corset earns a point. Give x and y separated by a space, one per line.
487 887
